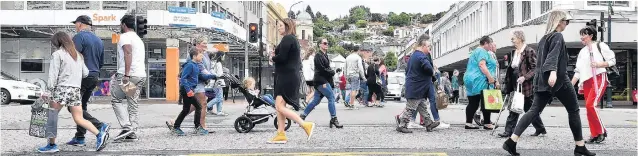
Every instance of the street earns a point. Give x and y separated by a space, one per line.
367 131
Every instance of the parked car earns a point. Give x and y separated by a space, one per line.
18 91
396 89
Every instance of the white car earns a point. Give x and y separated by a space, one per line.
396 80
18 91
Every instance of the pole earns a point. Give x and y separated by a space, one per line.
609 87
246 44
261 51
602 39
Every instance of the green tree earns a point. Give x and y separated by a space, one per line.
362 23
309 11
391 60
357 36
389 31
402 19
358 14
427 18
377 17
366 9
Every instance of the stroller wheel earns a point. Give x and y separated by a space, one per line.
244 124
288 123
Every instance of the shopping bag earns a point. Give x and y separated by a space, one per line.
39 118
492 99
518 101
441 100
129 88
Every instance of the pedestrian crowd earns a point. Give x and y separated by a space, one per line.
533 77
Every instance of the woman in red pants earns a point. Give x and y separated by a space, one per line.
590 70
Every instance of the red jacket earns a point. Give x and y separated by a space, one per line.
342 85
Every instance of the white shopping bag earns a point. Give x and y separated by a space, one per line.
518 101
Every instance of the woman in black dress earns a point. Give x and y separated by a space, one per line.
287 61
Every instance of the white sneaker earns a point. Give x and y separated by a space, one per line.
443 126
413 125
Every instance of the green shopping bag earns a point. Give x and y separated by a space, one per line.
492 99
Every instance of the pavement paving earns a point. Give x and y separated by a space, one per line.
368 131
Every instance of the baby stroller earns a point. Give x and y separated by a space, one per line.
258 111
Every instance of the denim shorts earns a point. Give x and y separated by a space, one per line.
200 88
354 83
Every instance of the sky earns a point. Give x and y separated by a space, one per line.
336 8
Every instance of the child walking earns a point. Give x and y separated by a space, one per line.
66 71
188 82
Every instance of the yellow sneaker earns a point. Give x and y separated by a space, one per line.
279 139
309 127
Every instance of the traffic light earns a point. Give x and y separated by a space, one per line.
141 26
254 36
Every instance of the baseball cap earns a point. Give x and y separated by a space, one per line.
83 19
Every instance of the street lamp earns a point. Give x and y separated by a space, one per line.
294 5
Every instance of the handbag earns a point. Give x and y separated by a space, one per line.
492 99
518 101
39 118
613 70
442 100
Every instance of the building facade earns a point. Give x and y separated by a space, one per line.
276 12
26 46
458 32
304 26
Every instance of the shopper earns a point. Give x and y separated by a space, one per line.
480 73
131 68
355 75
323 80
188 82
551 80
418 79
337 82
65 78
455 87
92 49
287 60
217 85
374 86
308 69
590 70
520 73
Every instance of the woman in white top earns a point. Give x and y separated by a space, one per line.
590 70
308 69
66 71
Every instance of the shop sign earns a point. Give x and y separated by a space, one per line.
219 15
181 17
60 17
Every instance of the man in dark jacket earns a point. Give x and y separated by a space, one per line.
418 81
324 83
92 48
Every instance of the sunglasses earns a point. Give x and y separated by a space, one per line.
566 21
324 43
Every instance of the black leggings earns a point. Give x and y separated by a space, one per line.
474 103
374 89
186 106
567 96
455 96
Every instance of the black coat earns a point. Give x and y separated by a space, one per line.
551 56
323 72
372 73
287 62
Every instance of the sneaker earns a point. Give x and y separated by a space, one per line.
201 131
169 124
49 149
123 134
443 125
280 138
100 141
178 132
309 127
131 138
76 142
412 125
222 114
403 130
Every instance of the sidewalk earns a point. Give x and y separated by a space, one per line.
154 115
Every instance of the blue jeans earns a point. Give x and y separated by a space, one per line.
364 92
432 98
218 100
268 98
320 92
